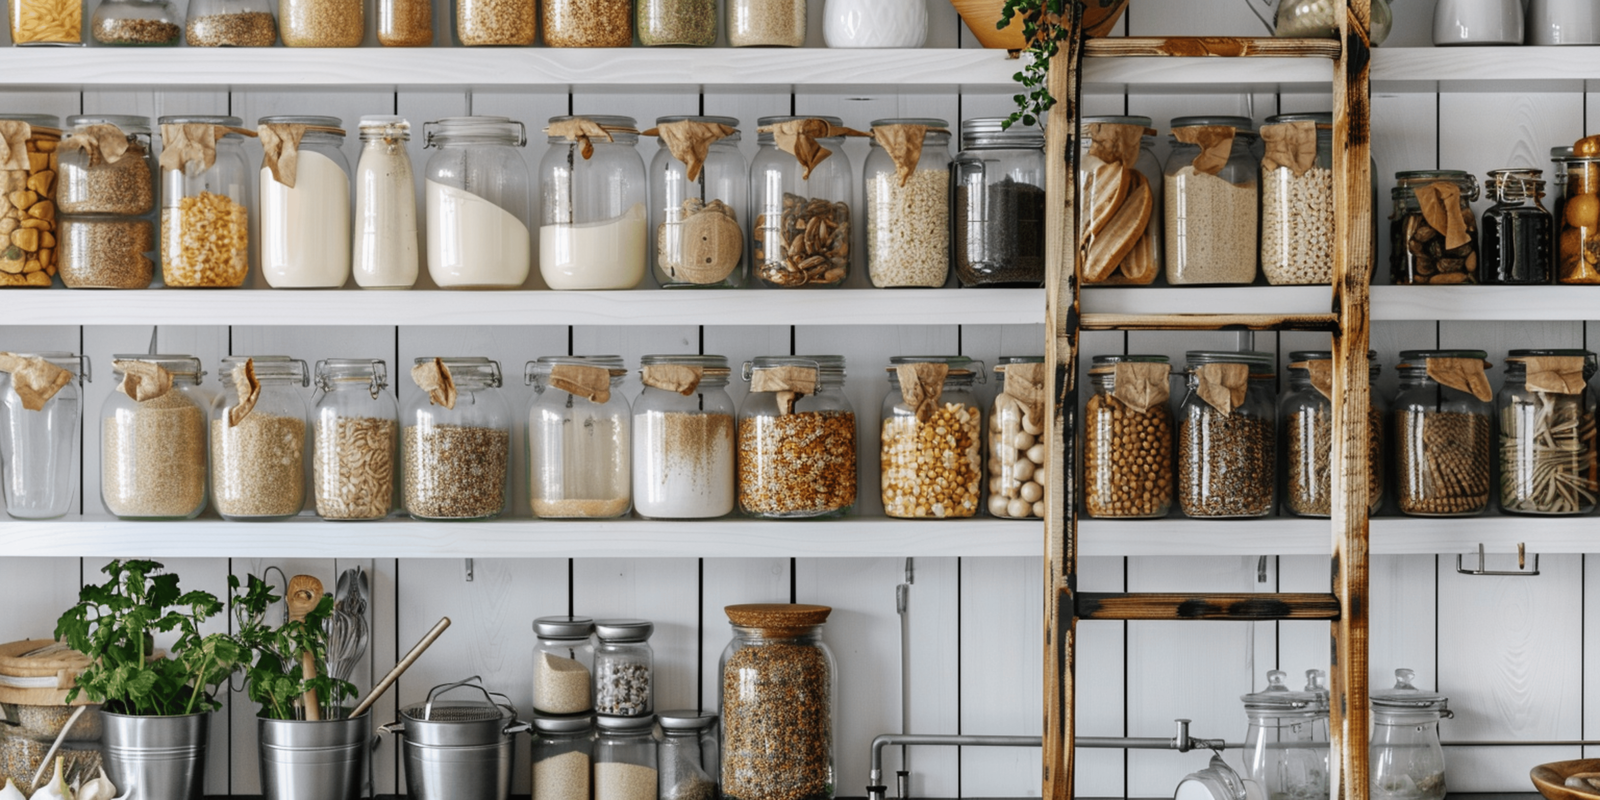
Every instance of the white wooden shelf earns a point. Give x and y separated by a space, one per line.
1161 75
1180 536
1483 69
1389 303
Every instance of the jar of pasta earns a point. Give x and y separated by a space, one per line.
1547 433
46 22
1442 433
258 438
28 251
932 466
1306 417
205 196
1297 229
356 439
1127 438
797 439
578 430
1226 437
153 438
455 440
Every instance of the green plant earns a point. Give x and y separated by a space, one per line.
1043 31
275 677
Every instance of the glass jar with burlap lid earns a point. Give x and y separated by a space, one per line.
593 212
455 440
1018 455
777 693
699 203
304 202
1442 433
800 187
28 181
153 438
579 426
41 412
355 439
932 436
1210 203
106 195
205 201
1547 433
1433 236
683 438
1227 440
1305 415
907 183
1128 435
1297 228
259 438
797 439
1122 188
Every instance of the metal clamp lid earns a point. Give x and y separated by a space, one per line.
328 371
461 365
269 368
514 132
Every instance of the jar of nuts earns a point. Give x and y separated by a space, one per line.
1442 433
797 439
1226 438
907 176
997 235
1017 452
1127 438
28 227
1547 433
1306 417
932 465
1432 234
106 196
153 438
699 203
455 440
205 197
1297 229
1578 210
355 439
1122 188
258 438
800 187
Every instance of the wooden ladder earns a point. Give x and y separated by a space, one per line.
1348 319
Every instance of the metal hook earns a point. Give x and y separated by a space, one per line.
1522 570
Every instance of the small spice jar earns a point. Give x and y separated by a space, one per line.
687 754
1226 435
409 23
593 214
492 22
146 23
1516 229
385 255
875 23
787 193
932 465
28 254
105 193
1306 415
258 438
1433 236
777 692
1406 757
997 221
907 178
587 23
1579 212
1547 433
356 437
41 411
766 23
1297 222
625 758
797 439
691 23
321 23
1211 210
1286 746
153 438
455 440
563 749
1127 441
683 449
1017 453
1442 433
231 23
1121 184
699 203
578 430
479 204
46 22
563 656
623 668
205 213
305 203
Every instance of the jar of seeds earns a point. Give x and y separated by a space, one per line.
800 185
1297 229
495 22
579 427
683 438
258 438
1547 433
1226 435
28 176
797 439
321 23
563 749
907 177
455 440
41 413
1516 229
1121 183
563 654
997 221
1432 234
1306 416
356 437
231 23
623 668
593 213
205 196
766 23
1127 441
699 203
1017 452
147 23
777 691
1442 432
1578 209
153 438
1211 209
691 23
625 758
688 756
106 195
932 464
587 23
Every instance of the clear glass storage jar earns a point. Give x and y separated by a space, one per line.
785 197
409 23
46 22
563 752
1516 229
305 228
625 758
932 463
875 23
587 23
28 255
1547 433
1420 252
1578 248
1226 435
355 426
766 23
797 439
1017 452
1305 413
687 755
578 430
563 655
997 215
106 199
777 690
1211 208
683 447
385 233
1127 441
1405 757
39 446
1286 746
455 442
205 212
153 438
1442 435
1297 223
908 220
258 438
486 22
698 223
692 23
478 202
624 668
231 23
593 215
1121 183
322 23
150 23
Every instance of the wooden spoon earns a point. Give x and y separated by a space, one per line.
304 594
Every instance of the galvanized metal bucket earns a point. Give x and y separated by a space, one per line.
322 760
458 750
156 758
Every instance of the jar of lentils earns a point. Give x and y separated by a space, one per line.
1439 249
691 23
997 221
777 690
932 466
797 439
767 23
1547 433
455 440
1442 433
624 667
153 438
1122 184
1226 436
1297 228
1017 451
355 439
587 23
1127 441
258 438
1306 416
106 195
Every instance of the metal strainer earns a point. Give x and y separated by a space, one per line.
456 723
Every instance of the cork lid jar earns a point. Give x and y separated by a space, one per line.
777 691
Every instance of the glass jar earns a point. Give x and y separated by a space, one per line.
1418 251
624 667
456 457
153 450
231 23
305 229
1579 212
1127 453
687 754
1516 229
908 221
148 23
593 209
409 23
563 748
766 23
106 235
578 430
777 691
258 446
875 23
1476 22
1306 416
28 255
483 22
386 207
356 436
1226 455
997 220
1211 218
39 447
1441 440
106 252
46 22
699 224
1103 169
1297 222
1298 19
205 213
1547 433
478 203
785 198
563 656
677 22
1286 747
625 758
796 399
321 23
932 464
587 23
1405 757
683 450
1017 453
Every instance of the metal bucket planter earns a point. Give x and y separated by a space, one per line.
322 760
458 750
156 758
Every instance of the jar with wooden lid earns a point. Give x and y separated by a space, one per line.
777 690
1547 433
205 202
690 23
1442 433
1127 442
1516 230
1305 414
1211 208
106 195
1227 444
356 440
137 23
587 23
46 22
797 439
305 203
907 178
997 213
683 438
259 438
1018 455
579 426
766 23
1433 236
932 464
1122 186
322 23
699 203
28 255
793 195
455 440
153 438
593 213
37 713
41 413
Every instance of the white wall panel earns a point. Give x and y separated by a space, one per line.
1002 682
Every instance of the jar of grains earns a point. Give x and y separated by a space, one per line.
683 438
908 203
205 216
1121 183
478 203
1017 451
623 666
258 438
41 412
1516 229
625 758
777 690
28 174
1441 433
1210 201
496 22
321 23
563 748
356 438
455 440
1127 440
932 465
1547 433
153 439
105 193
563 654
1306 415
766 23
1433 236
997 222
385 234
699 203
587 23
231 23
46 22
1577 212
677 22
409 23
875 23
801 173
687 754
149 23
1297 199
593 186
578 430
1226 446
305 203
797 439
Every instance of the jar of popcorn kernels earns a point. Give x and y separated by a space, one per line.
932 466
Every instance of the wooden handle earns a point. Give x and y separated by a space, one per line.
405 664
305 592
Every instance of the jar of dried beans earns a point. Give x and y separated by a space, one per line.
1442 432
28 177
593 189
46 22
1226 437
1017 453
147 23
153 438
563 752
579 425
305 203
777 690
625 758
1297 229
106 195
907 177
800 186
1578 248
1547 433
623 667
321 23
699 203
41 413
478 203
691 23
258 438
1432 234
455 440
997 221
496 22
932 467
683 448
1516 229
1122 188
1306 416
797 439
205 196
1127 439
356 437
563 654
766 23
1212 211
587 23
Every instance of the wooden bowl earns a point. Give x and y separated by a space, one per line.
1550 779
982 15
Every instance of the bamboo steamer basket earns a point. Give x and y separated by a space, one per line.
981 16
33 691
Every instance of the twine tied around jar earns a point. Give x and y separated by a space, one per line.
434 378
1555 374
280 148
681 378
1462 374
34 379
1440 202
789 383
582 380
142 380
101 142
1222 386
921 384
14 135
583 131
1215 143
1140 385
190 143
798 137
1290 145
248 386
689 141
1116 143
903 143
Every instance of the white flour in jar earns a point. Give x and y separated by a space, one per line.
597 255
473 242
386 219
683 464
305 231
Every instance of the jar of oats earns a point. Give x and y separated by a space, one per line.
28 228
907 177
355 439
153 438
1017 450
767 23
258 438
455 440
205 202
797 439
1212 212
588 23
1227 444
932 466
1127 438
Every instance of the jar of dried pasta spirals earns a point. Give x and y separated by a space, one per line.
777 690
1442 433
1127 442
1306 416
1547 433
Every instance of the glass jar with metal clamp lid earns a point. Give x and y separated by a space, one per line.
41 413
1433 242
579 425
153 438
797 439
258 438
455 440
355 438
683 438
1286 748
1516 229
1547 433
1405 757
478 203
1442 433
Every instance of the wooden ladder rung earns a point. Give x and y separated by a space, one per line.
1211 46
1209 322
1253 607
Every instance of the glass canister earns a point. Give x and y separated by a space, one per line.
593 213
687 754
1579 211
997 220
777 690
1122 188
797 439
153 438
321 23
1286 746
1297 223
1405 757
699 202
587 23
691 23
1226 435
484 22
932 465
683 448
455 440
789 190
563 751
409 23
305 202
578 430
1211 209
41 418
478 202
766 23
875 23
1127 442
563 655
1547 433
625 758
624 666
1306 415
356 437
1442 433
1017 452
231 23
1516 229
28 254
1298 19
105 192
258 438
205 216
385 253
1433 240
147 23
46 22
907 178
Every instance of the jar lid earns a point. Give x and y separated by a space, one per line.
378 125
643 724
1561 153
732 122
68 361
826 366
1118 119
1407 357
1260 363
505 129
624 630
576 723
129 123
1297 356
1588 356
1242 125
40 120
1279 697
313 120
932 122
268 368
201 119
485 369
563 627
364 370
960 366
616 123
709 362
1002 362
543 364
1405 695
188 366
1433 174
685 720
777 615
1104 360
1319 117
994 128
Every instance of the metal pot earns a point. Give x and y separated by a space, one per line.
314 760
156 758
458 750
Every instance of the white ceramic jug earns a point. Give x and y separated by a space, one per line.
1477 22
1563 22
875 23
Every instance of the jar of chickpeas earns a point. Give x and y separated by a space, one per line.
1127 440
